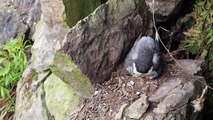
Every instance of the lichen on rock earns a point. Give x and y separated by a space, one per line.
29 100
66 70
61 99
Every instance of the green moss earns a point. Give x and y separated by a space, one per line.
178 117
64 68
26 81
60 99
79 9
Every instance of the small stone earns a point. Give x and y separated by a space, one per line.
119 115
106 93
130 83
96 93
138 93
149 117
138 108
191 67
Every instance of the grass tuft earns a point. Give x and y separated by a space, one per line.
13 62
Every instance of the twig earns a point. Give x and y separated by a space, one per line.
157 37
205 84
163 29
4 112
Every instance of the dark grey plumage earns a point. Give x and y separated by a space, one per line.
144 58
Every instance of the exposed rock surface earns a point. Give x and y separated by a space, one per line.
119 115
61 100
50 88
138 108
174 96
101 40
30 11
53 87
79 9
68 72
98 42
191 66
164 8
29 98
176 101
17 18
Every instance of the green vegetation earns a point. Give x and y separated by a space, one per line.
199 43
64 68
13 61
199 38
78 9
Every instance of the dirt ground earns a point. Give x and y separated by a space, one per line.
120 89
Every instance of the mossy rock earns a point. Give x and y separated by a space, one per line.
60 98
64 68
78 9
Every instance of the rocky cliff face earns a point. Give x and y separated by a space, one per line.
18 18
106 36
51 82
65 60
76 10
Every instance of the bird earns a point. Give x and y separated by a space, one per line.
144 58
